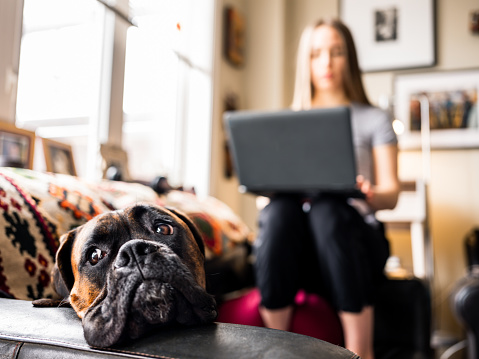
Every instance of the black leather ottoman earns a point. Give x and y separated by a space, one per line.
28 332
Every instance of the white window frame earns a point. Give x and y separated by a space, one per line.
11 19
105 124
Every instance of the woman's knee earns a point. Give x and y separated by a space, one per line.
280 214
331 220
280 223
330 208
284 207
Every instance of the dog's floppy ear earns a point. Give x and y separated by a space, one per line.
62 273
191 226
63 278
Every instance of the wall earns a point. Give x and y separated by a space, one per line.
227 80
11 20
258 85
453 193
266 82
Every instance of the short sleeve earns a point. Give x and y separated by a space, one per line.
383 133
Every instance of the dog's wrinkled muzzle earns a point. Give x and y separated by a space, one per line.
133 254
149 285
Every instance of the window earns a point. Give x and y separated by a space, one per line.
64 92
59 73
168 91
151 88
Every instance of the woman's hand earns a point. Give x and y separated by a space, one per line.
384 193
365 187
261 202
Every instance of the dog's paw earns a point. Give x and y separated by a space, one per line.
207 314
49 303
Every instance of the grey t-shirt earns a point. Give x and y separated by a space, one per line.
371 127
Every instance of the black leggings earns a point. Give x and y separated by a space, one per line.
329 250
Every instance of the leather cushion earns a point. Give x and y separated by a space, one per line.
57 332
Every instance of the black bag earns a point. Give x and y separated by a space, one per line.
471 243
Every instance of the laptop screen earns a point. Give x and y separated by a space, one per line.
293 151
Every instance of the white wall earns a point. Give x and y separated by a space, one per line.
227 79
453 191
273 29
259 84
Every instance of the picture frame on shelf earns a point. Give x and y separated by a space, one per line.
16 146
58 157
453 108
392 34
115 163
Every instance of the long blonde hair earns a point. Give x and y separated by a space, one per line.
303 87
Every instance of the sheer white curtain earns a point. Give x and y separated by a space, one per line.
168 91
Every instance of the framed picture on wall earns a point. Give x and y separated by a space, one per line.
391 34
234 36
58 157
451 98
16 146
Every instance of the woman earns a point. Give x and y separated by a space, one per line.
335 247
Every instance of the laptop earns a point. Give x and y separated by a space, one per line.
304 152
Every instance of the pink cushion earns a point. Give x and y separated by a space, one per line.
313 316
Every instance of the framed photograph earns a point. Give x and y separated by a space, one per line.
115 163
16 146
452 98
391 34
230 104
474 22
234 36
58 157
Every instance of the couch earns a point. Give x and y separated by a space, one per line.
36 208
28 332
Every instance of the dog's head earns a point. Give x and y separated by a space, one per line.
130 270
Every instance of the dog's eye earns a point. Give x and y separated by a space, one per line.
164 229
95 256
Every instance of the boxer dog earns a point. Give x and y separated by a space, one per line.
127 271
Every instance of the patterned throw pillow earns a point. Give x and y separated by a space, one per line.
28 242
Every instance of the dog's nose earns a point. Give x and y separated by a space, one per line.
133 252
